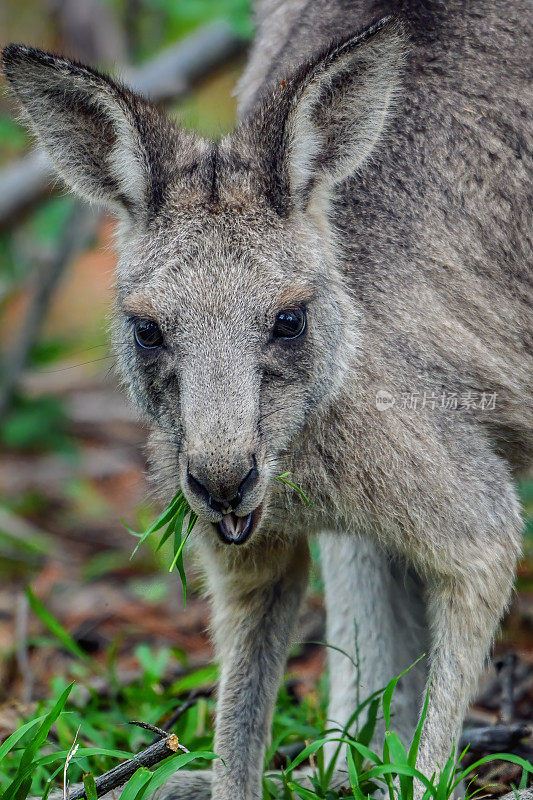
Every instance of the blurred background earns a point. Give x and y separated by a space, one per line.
72 460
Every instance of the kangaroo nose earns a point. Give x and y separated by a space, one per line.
225 496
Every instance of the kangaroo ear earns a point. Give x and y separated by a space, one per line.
321 124
105 142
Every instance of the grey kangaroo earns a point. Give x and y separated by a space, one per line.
339 289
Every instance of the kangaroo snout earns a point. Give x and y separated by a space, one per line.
222 494
228 493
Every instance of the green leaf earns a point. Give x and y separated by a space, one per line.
284 479
398 756
195 680
22 792
182 541
338 650
171 527
354 778
55 627
169 766
134 788
526 765
367 731
415 744
15 737
305 794
26 765
307 751
82 752
399 769
90 786
389 690
270 787
163 519
365 751
178 558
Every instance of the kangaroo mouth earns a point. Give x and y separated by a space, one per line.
237 530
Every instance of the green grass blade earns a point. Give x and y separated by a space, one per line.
170 511
284 479
23 790
82 752
15 737
334 647
26 765
171 527
398 756
526 765
178 557
163 519
169 766
389 690
354 778
364 751
180 540
367 731
136 784
90 786
306 752
305 794
415 744
55 627
447 776
383 770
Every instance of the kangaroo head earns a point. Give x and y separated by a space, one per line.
233 325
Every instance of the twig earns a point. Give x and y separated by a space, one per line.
151 755
189 703
78 229
162 734
70 755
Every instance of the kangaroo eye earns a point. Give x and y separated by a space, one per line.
290 323
147 334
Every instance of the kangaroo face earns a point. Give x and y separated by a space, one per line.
234 338
233 326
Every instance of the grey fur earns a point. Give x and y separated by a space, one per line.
399 216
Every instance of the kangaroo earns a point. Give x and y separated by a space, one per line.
339 289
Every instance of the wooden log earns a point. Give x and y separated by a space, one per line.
120 774
495 738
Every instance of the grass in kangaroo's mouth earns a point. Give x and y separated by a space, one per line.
178 517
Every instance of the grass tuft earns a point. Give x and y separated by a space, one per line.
179 516
35 756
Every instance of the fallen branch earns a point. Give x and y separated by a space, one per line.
495 738
79 228
153 754
170 74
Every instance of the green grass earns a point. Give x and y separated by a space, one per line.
33 758
177 522
20 764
